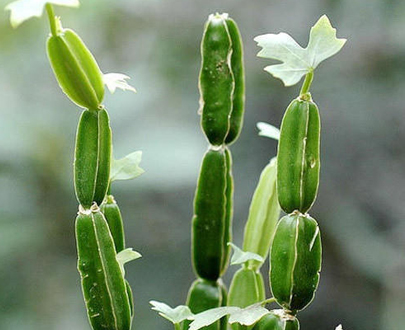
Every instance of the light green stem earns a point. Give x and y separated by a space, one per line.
268 301
307 83
51 17
177 326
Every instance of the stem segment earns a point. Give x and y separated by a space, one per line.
268 301
307 83
51 17
177 326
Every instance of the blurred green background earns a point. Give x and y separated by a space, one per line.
360 207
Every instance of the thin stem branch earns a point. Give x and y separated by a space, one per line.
177 326
51 17
269 301
307 83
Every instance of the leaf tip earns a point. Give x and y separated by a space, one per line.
268 130
324 18
259 39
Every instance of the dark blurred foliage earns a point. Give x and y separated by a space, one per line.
360 207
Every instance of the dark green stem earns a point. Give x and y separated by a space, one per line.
52 21
307 83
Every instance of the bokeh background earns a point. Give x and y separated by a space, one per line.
360 206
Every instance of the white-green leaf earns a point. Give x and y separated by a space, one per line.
240 257
298 61
245 316
210 316
249 315
126 168
125 256
174 315
23 10
268 130
339 327
117 80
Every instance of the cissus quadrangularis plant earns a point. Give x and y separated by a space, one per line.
222 96
98 226
289 182
295 260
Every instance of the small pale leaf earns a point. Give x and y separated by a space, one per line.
22 10
126 168
239 256
323 42
174 315
268 130
210 316
117 80
249 315
339 327
298 61
125 256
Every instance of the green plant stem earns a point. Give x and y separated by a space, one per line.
307 83
268 301
177 326
51 17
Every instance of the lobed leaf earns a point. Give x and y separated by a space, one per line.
127 168
125 256
117 80
268 130
22 10
174 315
249 315
298 61
245 316
240 257
210 316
